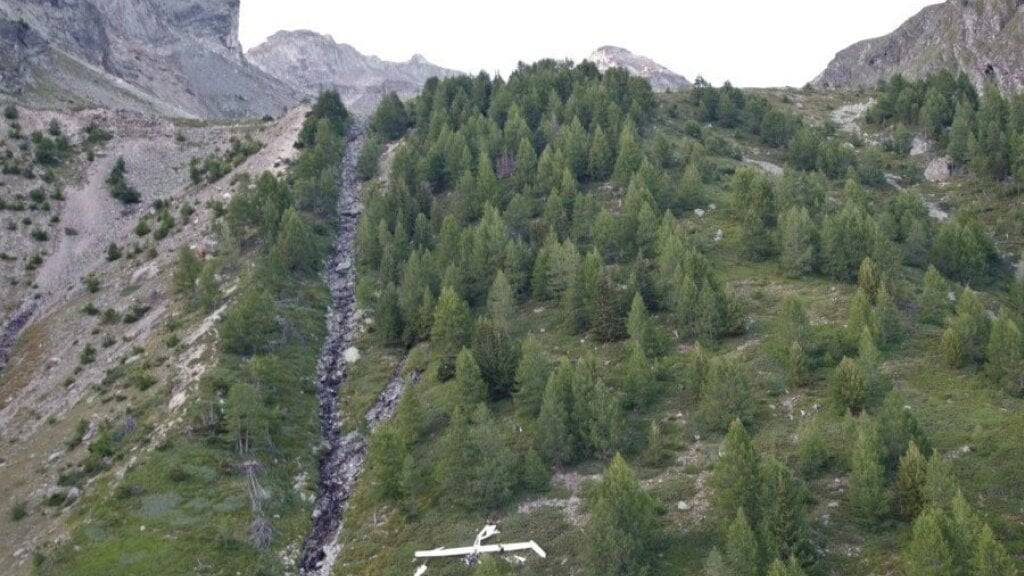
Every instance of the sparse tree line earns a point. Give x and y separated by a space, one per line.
219 164
984 133
273 235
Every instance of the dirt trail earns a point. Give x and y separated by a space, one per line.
341 460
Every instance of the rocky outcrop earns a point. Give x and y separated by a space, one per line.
178 57
981 38
310 62
661 78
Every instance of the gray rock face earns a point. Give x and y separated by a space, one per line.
661 78
178 57
310 62
981 38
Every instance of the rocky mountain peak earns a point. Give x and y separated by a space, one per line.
310 62
981 38
661 78
176 57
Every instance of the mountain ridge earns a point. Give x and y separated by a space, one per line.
980 38
171 57
309 61
662 79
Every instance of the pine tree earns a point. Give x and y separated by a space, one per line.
455 459
410 418
935 297
296 248
990 558
470 388
910 482
961 136
791 325
246 418
554 428
798 370
388 321
451 329
888 317
862 316
250 326
386 458
940 486
1005 355
536 474
846 238
783 525
867 494
726 395
964 339
494 464
600 159
639 382
487 187
531 377
736 477
928 553
868 279
655 451
207 291
849 389
607 323
498 355
690 191
897 427
741 550
796 242
639 325
715 565
186 272
963 527
623 526
630 155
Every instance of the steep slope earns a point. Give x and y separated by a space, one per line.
981 38
179 57
661 78
47 388
309 62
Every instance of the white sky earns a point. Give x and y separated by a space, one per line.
751 42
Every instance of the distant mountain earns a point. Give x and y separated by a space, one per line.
310 62
661 78
981 38
174 57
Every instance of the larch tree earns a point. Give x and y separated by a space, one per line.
736 477
910 481
928 553
451 329
623 527
531 377
867 493
742 554
470 388
1005 354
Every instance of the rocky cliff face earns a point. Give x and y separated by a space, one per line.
310 62
661 78
169 56
981 38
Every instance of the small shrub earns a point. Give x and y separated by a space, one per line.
88 355
19 511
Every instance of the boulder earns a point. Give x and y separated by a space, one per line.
938 170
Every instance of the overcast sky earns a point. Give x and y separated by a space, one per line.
751 42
